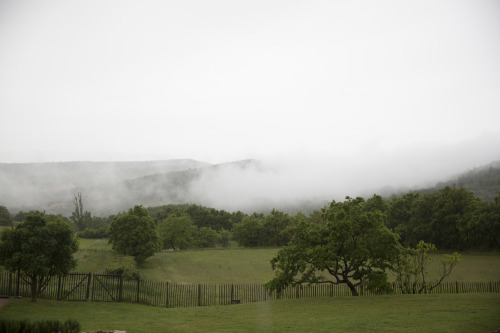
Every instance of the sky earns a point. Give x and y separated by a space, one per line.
405 88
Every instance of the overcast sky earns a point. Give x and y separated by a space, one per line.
332 82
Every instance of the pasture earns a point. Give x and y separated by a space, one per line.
247 265
393 313
471 312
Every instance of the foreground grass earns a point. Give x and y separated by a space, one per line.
407 313
244 265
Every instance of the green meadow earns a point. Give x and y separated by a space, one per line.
401 313
473 312
247 265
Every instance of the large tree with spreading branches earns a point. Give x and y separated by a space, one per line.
350 245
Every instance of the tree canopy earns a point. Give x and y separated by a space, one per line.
350 246
134 234
177 232
38 248
5 217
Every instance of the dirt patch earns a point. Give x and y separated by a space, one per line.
3 301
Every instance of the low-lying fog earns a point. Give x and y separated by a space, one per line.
288 182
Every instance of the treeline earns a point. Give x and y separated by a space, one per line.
451 218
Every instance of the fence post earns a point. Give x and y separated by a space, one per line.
297 292
18 283
89 279
9 292
166 301
138 288
199 294
59 288
456 287
120 289
232 293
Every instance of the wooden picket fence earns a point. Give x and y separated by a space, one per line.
114 288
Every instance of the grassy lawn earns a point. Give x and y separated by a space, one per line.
93 255
407 313
211 266
190 266
244 265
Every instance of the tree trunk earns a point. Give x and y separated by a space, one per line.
354 292
34 288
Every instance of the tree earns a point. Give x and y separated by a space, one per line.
38 249
375 203
274 226
225 236
5 217
250 231
399 211
352 246
81 219
177 232
134 234
411 269
206 237
486 224
452 212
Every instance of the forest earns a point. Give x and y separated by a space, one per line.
451 218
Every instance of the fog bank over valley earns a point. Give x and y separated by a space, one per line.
289 183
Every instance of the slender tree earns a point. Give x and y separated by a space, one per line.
412 269
81 219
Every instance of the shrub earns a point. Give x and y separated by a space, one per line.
124 266
41 326
94 233
71 326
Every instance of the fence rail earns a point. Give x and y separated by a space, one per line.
114 288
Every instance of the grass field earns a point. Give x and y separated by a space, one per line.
403 313
243 265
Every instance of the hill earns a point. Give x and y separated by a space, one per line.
247 185
51 186
483 181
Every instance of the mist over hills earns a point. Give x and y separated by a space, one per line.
247 185
483 181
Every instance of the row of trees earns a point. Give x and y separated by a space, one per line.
136 234
450 218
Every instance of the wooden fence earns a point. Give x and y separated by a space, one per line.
114 288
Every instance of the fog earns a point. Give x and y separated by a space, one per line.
333 98
284 181
289 183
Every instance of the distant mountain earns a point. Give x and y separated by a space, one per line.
248 185
111 187
51 186
483 181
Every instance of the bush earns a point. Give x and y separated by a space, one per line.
72 326
94 233
124 266
41 326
